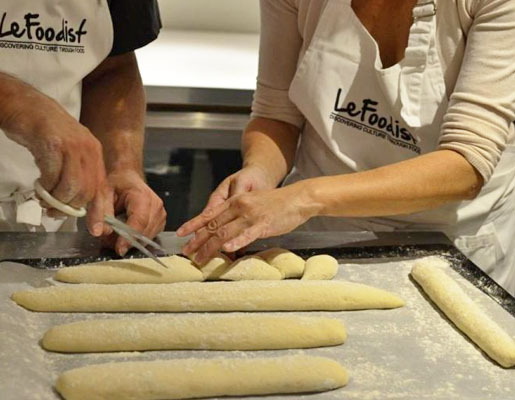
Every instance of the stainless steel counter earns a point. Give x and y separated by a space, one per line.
21 245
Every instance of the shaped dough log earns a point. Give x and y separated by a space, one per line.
463 312
202 296
195 332
289 264
194 378
215 267
321 267
137 270
251 268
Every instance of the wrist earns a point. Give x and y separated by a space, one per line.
124 174
308 194
124 168
271 179
123 154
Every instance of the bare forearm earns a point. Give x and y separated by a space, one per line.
270 145
419 184
24 109
113 108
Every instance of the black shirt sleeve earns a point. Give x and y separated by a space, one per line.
136 23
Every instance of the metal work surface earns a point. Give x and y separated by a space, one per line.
408 353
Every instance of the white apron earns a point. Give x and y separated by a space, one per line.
51 45
361 116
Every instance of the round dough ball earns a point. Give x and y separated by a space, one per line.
251 268
289 264
321 267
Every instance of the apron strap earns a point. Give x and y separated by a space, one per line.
416 59
28 209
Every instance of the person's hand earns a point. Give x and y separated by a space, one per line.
246 217
144 209
247 179
70 160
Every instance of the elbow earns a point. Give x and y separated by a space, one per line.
474 185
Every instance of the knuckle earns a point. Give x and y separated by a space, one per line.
208 213
244 201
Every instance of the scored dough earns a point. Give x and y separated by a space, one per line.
209 296
251 268
463 312
194 378
289 264
195 332
321 267
136 270
215 267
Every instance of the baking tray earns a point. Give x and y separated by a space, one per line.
409 353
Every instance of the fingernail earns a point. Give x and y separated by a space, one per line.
98 228
180 231
123 250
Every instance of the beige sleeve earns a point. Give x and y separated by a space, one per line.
278 54
482 106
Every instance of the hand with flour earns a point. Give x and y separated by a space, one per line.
245 206
248 179
144 209
247 217
68 155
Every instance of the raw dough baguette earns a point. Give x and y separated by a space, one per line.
289 264
203 296
194 378
196 332
215 267
251 268
463 312
321 267
138 270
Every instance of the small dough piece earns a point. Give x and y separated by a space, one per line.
200 378
215 267
195 332
135 270
209 296
463 312
251 268
289 264
321 267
